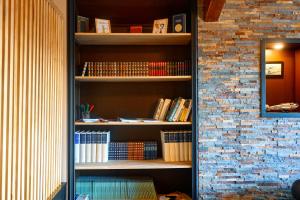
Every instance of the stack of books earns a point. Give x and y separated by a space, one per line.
91 146
133 150
176 145
178 110
116 188
165 68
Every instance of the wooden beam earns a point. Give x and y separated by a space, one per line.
213 9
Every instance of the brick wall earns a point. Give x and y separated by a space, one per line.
242 155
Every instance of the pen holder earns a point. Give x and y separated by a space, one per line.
86 115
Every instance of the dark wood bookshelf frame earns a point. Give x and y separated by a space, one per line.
193 28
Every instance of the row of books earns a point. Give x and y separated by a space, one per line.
176 145
118 188
178 110
164 68
91 146
133 150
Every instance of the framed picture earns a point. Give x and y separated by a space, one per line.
102 26
160 26
274 69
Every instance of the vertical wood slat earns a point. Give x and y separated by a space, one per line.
31 82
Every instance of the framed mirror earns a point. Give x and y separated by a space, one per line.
280 77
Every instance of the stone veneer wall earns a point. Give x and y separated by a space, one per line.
242 155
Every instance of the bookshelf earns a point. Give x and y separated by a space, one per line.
134 79
135 164
133 39
134 96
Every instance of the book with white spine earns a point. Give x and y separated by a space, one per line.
99 147
82 147
77 147
105 143
172 141
88 147
165 145
190 145
181 146
94 147
164 110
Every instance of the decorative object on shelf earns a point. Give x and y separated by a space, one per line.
91 146
102 26
136 29
133 150
160 26
284 107
176 145
179 23
82 24
85 110
163 68
275 69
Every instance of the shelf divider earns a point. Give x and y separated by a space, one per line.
134 164
133 39
132 78
160 123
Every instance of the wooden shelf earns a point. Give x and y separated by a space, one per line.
134 164
134 79
132 123
133 39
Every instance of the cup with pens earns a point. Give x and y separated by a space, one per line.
86 110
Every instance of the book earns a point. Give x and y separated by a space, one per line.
178 110
164 110
118 188
143 150
82 147
77 147
94 147
176 146
105 144
158 109
157 68
98 147
88 146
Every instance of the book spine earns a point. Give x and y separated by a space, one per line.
181 146
88 147
82 147
94 147
186 146
77 147
105 146
190 146
99 147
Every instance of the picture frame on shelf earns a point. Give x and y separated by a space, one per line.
160 26
102 25
275 69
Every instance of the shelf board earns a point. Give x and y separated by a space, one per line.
132 123
133 39
134 164
133 79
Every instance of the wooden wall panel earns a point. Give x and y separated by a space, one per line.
32 79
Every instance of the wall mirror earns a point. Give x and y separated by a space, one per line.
280 77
